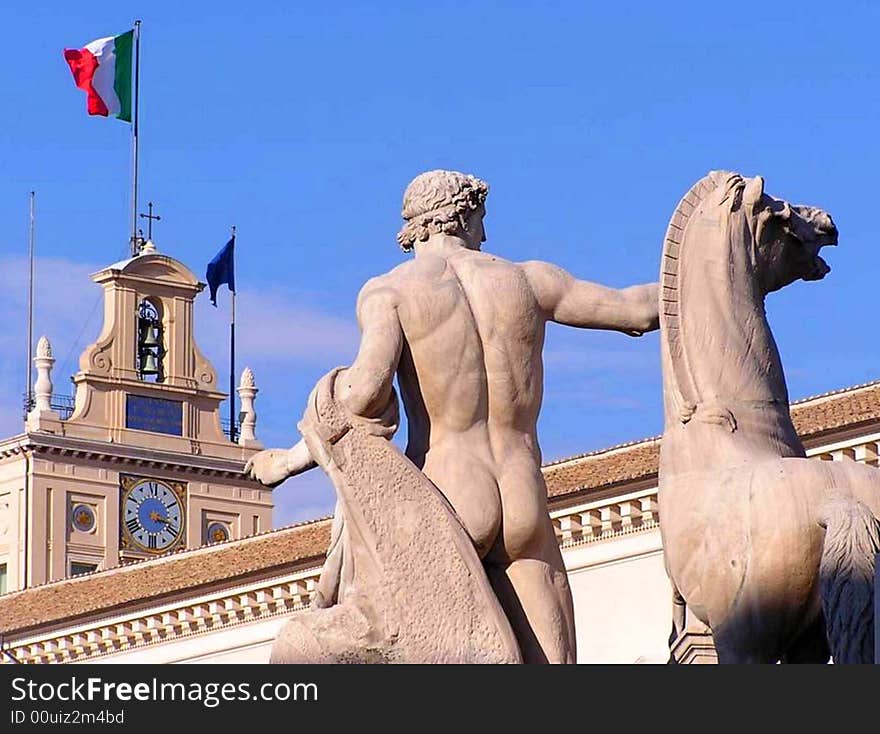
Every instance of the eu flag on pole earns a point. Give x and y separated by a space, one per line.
222 269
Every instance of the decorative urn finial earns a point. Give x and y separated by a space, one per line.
44 347
42 395
247 391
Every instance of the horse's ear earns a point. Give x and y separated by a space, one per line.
754 191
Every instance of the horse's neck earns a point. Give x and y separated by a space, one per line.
736 393
731 352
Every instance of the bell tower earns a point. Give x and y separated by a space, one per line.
145 372
139 465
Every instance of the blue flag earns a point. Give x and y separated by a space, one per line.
222 270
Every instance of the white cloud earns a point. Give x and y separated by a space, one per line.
67 309
272 327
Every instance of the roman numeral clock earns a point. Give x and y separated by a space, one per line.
151 514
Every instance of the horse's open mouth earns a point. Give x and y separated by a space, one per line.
818 269
826 238
824 235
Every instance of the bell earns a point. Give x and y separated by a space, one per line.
149 365
151 337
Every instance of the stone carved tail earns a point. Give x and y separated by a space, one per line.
846 578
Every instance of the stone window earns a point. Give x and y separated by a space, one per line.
80 567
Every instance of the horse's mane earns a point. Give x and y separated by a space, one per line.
686 393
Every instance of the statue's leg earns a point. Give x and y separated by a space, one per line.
331 573
534 593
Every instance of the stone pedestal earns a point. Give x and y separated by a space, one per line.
694 647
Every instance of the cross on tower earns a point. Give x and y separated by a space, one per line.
150 217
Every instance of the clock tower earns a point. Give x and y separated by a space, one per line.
137 463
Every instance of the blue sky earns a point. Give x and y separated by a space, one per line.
303 123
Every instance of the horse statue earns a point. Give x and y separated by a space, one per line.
771 550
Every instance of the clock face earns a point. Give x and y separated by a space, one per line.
152 516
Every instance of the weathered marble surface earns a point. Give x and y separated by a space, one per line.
764 545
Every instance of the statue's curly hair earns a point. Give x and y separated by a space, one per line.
439 202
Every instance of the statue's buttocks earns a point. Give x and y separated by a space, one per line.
474 336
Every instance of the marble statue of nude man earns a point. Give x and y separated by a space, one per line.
463 331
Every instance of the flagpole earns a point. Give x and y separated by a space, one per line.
30 316
232 361
134 137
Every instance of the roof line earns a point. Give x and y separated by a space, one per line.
135 562
651 439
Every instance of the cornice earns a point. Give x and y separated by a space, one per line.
50 445
14 445
152 389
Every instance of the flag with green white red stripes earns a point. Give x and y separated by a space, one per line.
102 69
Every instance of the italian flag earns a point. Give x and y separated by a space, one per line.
102 69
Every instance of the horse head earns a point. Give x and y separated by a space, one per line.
727 246
787 238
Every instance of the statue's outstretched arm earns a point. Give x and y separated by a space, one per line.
567 300
273 466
